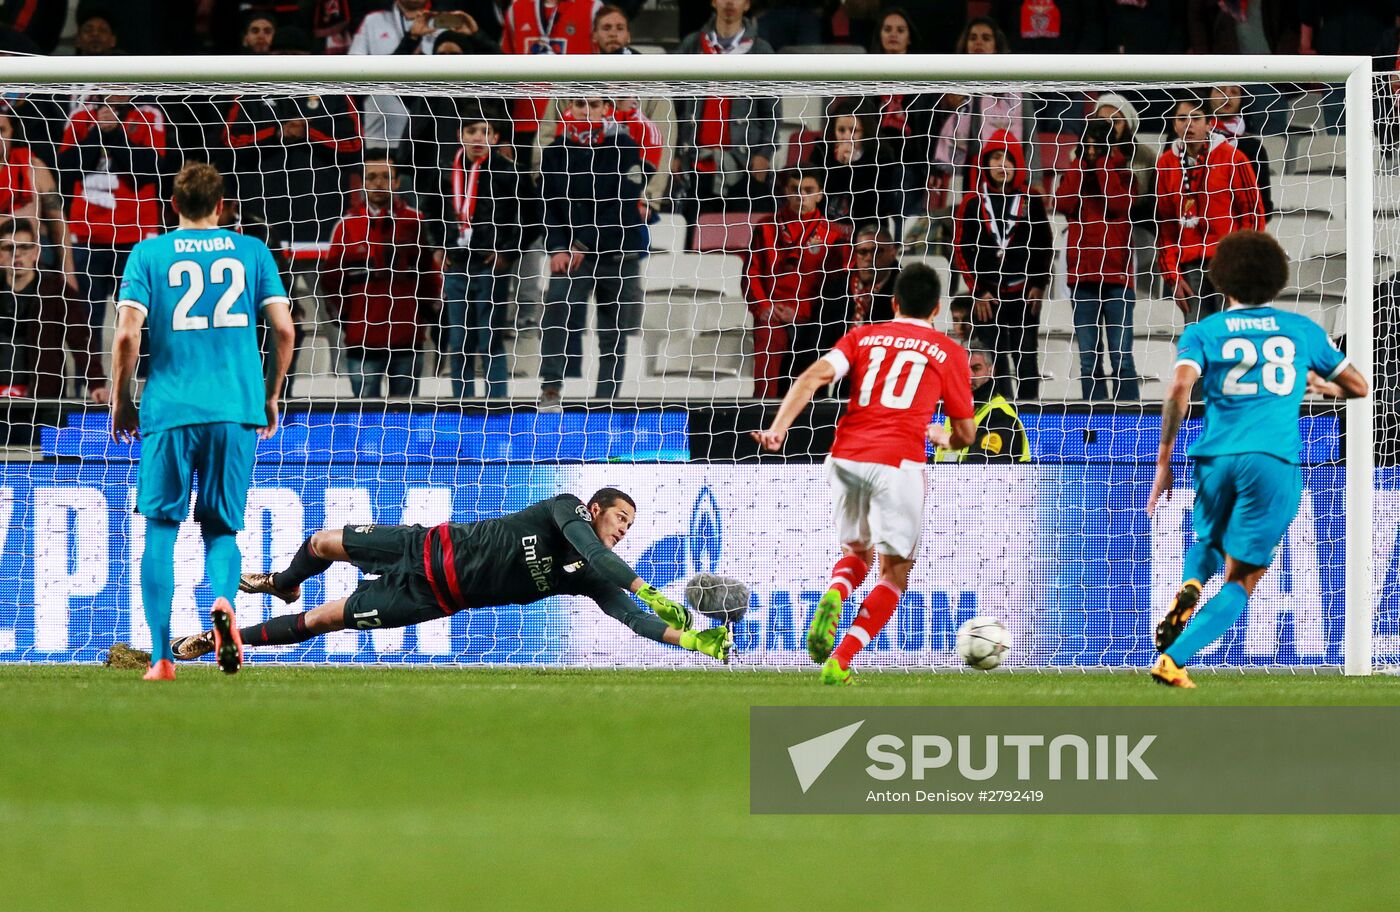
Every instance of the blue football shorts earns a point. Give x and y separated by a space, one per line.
1245 503
219 456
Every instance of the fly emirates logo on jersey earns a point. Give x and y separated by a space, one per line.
933 350
539 567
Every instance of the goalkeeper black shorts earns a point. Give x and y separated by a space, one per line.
401 596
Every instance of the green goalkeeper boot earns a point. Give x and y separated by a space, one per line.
821 636
834 674
714 642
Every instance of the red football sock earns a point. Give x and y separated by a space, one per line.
847 575
875 612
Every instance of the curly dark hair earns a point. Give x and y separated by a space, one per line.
1249 266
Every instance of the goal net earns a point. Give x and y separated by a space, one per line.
518 286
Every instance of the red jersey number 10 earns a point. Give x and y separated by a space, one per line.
892 394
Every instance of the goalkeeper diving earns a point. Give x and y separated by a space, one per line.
559 546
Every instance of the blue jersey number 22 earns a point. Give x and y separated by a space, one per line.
1278 373
189 275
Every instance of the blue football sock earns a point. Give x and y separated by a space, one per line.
1210 623
222 562
158 583
1202 562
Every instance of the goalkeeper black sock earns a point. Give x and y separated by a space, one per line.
304 565
282 630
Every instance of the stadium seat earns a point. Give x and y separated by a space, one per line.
1324 279
1155 362
678 277
703 327
1057 318
1059 370
804 111
1157 319
1316 193
1386 195
668 233
726 232
1276 148
1316 153
1309 234
696 338
1319 277
1387 235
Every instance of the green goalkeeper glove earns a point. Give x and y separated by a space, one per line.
714 642
675 615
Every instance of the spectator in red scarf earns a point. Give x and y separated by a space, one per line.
544 27
790 260
1003 248
612 34
489 204
725 146
593 184
1206 188
1096 195
1227 117
380 279
873 267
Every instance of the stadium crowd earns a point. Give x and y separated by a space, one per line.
450 225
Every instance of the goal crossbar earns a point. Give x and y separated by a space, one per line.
670 68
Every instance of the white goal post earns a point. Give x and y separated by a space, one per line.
557 76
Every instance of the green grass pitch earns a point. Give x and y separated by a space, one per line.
340 789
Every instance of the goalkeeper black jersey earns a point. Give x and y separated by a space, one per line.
548 548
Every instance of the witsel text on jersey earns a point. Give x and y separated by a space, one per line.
931 349
1242 324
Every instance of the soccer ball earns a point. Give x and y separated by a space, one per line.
983 642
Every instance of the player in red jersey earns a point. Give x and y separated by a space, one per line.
900 371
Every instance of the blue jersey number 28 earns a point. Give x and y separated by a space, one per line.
1278 373
189 275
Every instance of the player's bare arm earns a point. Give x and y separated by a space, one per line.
126 347
1349 384
961 433
1175 405
821 373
